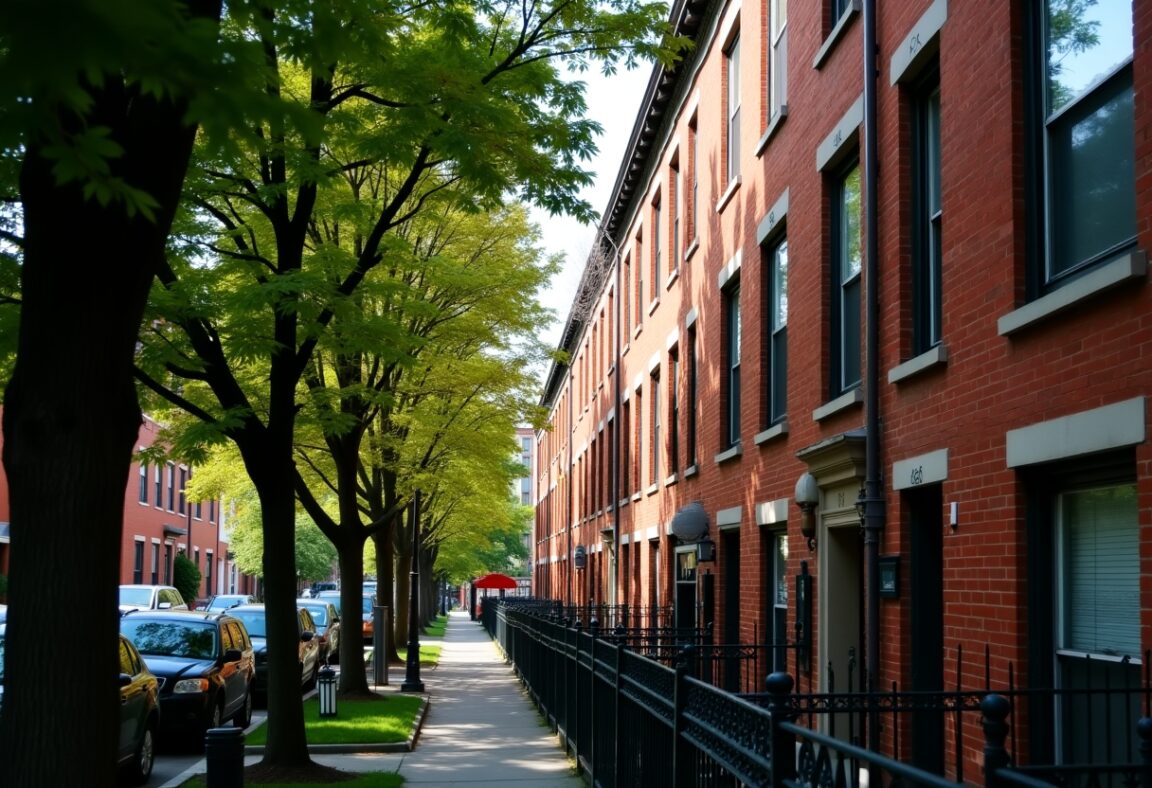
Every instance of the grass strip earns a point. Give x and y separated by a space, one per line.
437 627
429 655
358 721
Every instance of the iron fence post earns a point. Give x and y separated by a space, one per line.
995 710
783 753
1144 731
681 760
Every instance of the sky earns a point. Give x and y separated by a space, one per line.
613 102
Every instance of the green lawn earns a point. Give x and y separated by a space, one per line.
437 627
389 719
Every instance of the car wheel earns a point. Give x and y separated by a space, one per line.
243 717
217 718
140 768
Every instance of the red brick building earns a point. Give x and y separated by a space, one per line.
159 524
924 293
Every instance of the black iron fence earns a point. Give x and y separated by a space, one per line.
632 719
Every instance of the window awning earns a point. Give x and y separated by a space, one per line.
172 530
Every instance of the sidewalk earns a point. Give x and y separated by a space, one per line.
481 729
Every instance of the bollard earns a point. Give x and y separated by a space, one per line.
224 754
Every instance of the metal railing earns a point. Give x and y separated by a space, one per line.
633 720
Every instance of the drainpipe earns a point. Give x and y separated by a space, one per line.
616 405
571 562
874 504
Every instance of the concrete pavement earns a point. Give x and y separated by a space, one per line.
481 729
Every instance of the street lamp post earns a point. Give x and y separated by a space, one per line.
412 682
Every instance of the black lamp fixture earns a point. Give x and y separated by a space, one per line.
689 525
326 691
807 495
579 557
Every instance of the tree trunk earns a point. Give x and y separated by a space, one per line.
270 468
386 585
71 418
350 552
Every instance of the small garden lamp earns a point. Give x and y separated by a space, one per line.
326 691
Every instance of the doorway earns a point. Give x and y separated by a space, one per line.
925 523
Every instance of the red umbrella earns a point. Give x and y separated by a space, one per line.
495 580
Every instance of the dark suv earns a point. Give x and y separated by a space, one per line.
205 664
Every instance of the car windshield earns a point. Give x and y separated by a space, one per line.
319 613
137 597
192 639
221 603
253 621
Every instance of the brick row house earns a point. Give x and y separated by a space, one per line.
889 340
160 522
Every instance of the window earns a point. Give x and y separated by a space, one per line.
168 563
170 474
777 59
155 563
1083 80
674 187
639 284
654 472
212 510
776 288
926 264
159 487
626 446
779 578
674 408
693 162
846 258
693 375
138 564
1098 617
182 490
732 107
731 418
839 8
208 573
626 297
143 493
637 480
657 248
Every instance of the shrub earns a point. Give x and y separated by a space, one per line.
186 578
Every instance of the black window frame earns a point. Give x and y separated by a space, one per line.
733 339
692 437
1041 278
927 212
847 293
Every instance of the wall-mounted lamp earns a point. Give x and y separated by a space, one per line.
580 557
705 550
807 496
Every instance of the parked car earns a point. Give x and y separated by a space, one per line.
222 602
327 621
309 645
139 713
145 597
324 585
206 665
367 603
